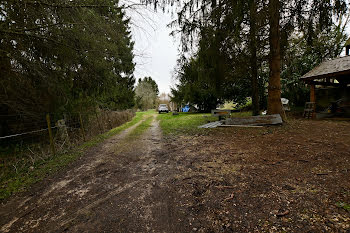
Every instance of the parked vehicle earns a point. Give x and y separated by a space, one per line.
163 108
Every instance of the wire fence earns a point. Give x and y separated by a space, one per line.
25 140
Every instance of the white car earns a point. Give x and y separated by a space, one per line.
163 108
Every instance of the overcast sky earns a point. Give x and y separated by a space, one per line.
156 51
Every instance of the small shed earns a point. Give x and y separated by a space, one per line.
333 74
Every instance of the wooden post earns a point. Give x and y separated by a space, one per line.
109 121
312 93
50 134
98 122
82 126
313 99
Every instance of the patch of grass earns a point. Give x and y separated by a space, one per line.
343 205
189 122
140 129
29 175
21 179
184 122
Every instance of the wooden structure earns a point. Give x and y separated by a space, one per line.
332 73
211 125
255 120
221 113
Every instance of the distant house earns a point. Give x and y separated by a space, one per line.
330 85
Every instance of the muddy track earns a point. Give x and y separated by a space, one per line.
118 186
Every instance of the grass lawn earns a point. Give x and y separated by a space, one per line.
188 122
16 179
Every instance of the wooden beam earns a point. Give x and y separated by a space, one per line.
312 93
325 83
255 120
313 99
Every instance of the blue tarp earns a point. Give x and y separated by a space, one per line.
186 108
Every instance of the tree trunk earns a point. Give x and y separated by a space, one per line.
253 59
274 105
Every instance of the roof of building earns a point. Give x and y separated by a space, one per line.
332 68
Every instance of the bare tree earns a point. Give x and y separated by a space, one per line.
146 97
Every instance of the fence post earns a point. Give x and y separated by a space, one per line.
50 134
109 121
98 122
82 127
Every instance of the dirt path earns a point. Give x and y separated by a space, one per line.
119 186
293 178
